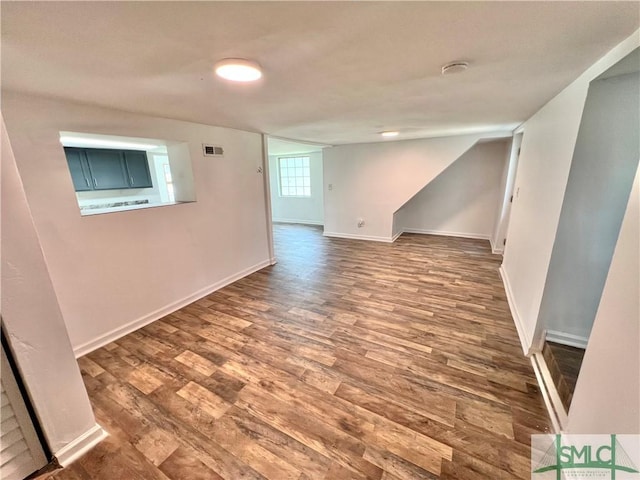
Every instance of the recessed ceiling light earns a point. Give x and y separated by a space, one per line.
454 67
238 70
390 134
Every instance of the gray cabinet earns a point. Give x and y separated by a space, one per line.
108 169
137 169
79 169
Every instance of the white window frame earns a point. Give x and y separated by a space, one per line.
300 176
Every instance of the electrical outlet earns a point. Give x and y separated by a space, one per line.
360 223
330 186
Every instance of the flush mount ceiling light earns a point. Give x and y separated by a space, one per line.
390 134
454 67
238 70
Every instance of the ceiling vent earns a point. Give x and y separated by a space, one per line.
212 150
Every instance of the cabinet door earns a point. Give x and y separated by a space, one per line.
79 169
138 169
107 169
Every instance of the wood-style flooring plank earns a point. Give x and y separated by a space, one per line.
345 360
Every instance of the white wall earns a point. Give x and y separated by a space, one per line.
371 181
463 199
607 395
309 210
33 321
604 163
546 153
115 272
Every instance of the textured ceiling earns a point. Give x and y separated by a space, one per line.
334 72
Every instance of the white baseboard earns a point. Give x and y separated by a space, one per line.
477 236
567 339
496 249
80 445
525 341
123 330
298 221
555 408
353 236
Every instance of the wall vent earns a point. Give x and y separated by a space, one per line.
212 150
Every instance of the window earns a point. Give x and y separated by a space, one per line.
169 181
295 177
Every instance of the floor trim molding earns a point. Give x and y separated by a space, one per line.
555 408
353 236
525 341
123 330
477 236
299 222
80 445
567 339
496 249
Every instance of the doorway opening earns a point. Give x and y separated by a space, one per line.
295 180
603 168
499 239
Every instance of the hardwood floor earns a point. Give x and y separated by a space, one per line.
564 364
346 360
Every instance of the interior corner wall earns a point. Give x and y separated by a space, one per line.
372 181
543 169
33 321
306 210
462 200
115 272
397 228
604 163
607 394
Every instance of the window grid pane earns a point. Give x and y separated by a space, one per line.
295 176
